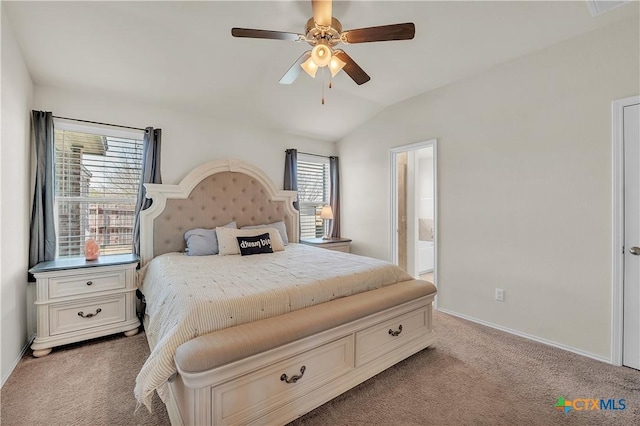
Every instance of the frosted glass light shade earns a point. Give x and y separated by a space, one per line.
310 67
336 65
321 55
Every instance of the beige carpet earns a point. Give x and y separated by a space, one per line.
87 383
473 375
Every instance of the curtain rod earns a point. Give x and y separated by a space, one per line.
315 155
97 122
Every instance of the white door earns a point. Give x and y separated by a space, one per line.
631 306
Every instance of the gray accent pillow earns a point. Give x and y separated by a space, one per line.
203 242
280 226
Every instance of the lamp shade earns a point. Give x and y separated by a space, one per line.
310 67
336 65
326 213
321 55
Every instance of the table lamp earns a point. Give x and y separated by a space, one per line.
326 214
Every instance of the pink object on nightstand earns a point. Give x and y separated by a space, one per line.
91 250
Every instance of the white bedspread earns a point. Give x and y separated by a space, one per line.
188 296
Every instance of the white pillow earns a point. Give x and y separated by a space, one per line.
280 226
228 244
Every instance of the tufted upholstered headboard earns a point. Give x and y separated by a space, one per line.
211 195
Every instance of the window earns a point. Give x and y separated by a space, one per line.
313 193
97 175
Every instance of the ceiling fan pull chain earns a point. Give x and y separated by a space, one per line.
323 86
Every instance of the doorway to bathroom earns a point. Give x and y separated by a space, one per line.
414 208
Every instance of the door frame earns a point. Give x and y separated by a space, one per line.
393 152
617 219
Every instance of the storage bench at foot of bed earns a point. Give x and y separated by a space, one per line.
275 370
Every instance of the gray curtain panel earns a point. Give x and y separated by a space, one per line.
150 174
42 232
291 172
334 196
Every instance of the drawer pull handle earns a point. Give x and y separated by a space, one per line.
396 333
81 314
89 282
295 378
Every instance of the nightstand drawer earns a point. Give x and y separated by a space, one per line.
335 244
88 313
343 247
86 283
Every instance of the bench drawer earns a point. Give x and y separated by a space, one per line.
382 338
255 394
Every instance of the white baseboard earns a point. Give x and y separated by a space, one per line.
529 336
24 350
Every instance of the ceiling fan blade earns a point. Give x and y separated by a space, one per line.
322 11
382 33
273 35
352 69
293 72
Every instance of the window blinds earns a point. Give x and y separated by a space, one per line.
313 193
97 179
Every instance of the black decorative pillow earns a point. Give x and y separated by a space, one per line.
255 245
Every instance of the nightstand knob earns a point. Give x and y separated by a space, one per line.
89 282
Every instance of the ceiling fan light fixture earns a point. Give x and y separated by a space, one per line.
310 67
336 65
321 55
324 32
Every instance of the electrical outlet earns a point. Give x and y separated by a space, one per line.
500 294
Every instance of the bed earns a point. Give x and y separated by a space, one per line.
275 343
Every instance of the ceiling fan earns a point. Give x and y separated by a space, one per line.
324 32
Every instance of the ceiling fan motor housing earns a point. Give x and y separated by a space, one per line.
318 34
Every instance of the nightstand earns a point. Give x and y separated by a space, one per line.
337 244
78 300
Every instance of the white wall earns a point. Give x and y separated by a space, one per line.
188 140
524 172
17 99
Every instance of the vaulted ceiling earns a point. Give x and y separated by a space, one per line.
181 55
